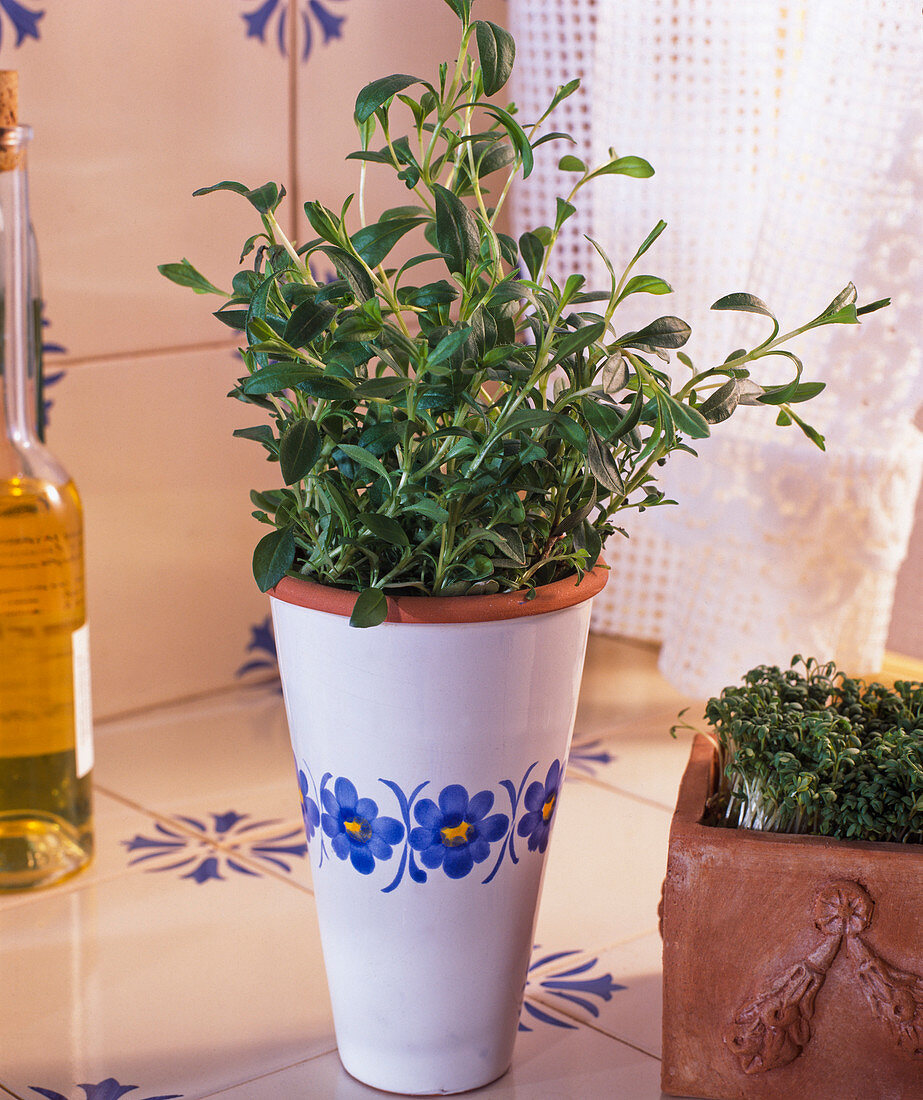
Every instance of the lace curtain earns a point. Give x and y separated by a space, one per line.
788 145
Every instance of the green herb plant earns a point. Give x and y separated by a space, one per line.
479 429
811 750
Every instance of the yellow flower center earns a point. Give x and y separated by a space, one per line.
454 835
358 828
548 807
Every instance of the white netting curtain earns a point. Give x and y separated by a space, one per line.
788 144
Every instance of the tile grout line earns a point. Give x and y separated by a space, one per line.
554 1007
591 780
187 830
142 354
272 1073
9 1092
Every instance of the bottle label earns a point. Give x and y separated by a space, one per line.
83 702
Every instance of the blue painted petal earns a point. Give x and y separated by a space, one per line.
331 825
458 861
366 808
303 783
480 850
311 811
422 837
346 794
329 803
453 800
528 822
389 829
362 860
433 856
428 813
535 796
49 1094
493 827
341 845
553 777
379 849
479 805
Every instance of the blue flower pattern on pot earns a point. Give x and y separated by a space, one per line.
355 829
110 1089
540 801
309 809
456 833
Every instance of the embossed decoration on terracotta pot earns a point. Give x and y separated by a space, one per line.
430 752
793 965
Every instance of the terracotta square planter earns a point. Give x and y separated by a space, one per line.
792 966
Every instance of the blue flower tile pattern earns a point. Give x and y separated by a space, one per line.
457 832
202 850
453 833
269 22
574 986
110 1089
263 644
356 830
24 20
586 756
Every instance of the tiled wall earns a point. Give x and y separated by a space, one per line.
134 106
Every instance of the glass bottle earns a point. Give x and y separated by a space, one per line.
46 739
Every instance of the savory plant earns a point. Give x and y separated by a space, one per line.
811 750
462 422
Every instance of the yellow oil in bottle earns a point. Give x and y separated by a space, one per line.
45 725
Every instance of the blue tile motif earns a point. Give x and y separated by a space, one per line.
453 833
49 347
24 20
586 756
575 986
209 849
263 644
269 22
109 1089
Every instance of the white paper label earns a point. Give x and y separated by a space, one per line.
83 700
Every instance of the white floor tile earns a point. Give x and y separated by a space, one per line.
564 1065
169 984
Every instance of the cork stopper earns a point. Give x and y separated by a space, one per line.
9 115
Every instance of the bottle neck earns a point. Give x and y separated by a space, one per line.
18 359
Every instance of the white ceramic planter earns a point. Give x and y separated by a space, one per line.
430 757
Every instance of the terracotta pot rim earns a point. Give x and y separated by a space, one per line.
449 609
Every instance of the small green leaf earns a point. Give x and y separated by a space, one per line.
378 93
364 458
645 284
625 166
533 252
570 163
276 378
307 322
456 229
518 137
720 404
260 433
352 270
688 420
370 608
603 465
184 274
496 52
575 342
615 374
374 242
299 449
665 332
451 343
564 210
273 557
323 221
562 93
384 527
570 431
744 303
